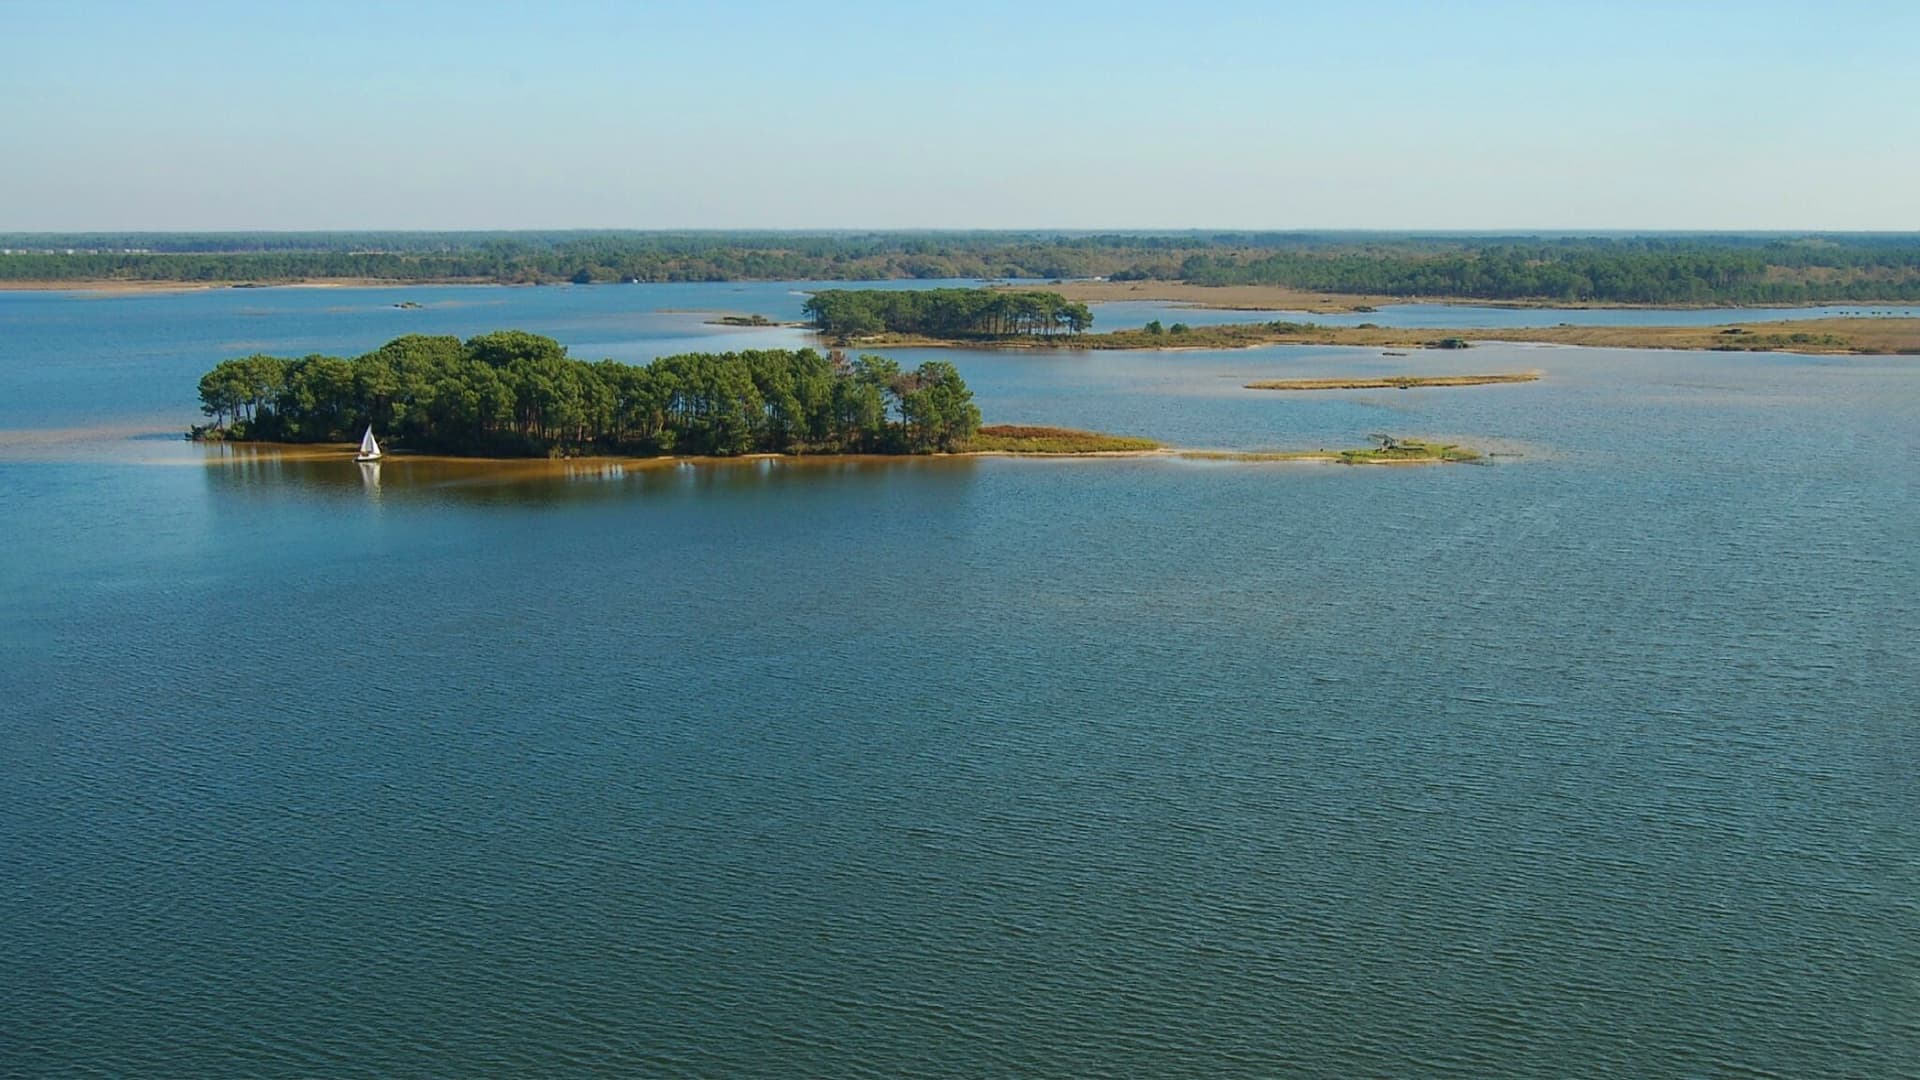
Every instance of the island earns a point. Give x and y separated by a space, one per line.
1386 450
999 318
745 320
946 315
514 394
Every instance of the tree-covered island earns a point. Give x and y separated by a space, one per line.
947 314
511 394
516 394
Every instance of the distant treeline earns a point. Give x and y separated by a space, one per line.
946 313
1620 274
582 257
515 394
1657 268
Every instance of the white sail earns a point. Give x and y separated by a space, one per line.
369 448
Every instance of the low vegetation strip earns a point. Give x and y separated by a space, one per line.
1861 336
1392 382
1390 450
1865 336
1386 449
1012 439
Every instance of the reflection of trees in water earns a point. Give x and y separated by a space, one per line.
399 480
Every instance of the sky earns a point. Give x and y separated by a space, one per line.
1054 114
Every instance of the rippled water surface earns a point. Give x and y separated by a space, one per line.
1595 761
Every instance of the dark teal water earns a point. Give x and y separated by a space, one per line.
1598 761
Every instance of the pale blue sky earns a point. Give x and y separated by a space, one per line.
984 114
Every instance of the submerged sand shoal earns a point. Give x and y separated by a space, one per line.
1392 382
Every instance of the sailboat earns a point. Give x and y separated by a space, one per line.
369 449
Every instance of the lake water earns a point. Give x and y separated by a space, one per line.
1598 760
87 358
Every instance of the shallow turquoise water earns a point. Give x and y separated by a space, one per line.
1596 761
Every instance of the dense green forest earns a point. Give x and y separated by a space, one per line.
1620 275
581 257
1650 269
945 313
515 394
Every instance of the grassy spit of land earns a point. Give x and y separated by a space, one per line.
1019 439
1813 336
1898 336
1225 297
1289 298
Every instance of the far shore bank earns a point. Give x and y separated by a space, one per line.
1288 298
1816 337
1218 297
115 286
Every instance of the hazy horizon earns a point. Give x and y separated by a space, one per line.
936 230
1484 118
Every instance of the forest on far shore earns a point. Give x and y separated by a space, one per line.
1663 268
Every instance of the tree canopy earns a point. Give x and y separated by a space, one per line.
512 393
946 313
1742 268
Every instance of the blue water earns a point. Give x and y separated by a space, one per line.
79 359
1595 761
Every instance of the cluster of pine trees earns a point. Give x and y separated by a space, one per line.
946 313
512 393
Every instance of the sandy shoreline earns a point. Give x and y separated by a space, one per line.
220 453
116 288
601 465
108 445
